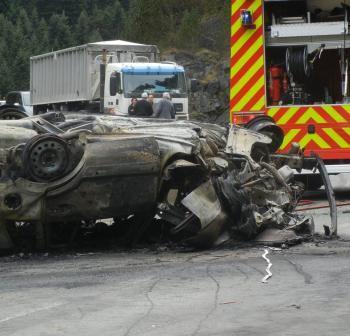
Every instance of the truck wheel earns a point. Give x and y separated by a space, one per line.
12 114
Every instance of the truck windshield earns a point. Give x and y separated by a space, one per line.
136 83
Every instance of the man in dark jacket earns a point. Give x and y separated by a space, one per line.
143 108
131 108
165 109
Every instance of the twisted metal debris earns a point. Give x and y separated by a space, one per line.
191 183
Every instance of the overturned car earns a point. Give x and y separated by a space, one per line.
178 181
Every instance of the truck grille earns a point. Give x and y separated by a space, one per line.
178 107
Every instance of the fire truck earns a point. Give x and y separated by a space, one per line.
290 62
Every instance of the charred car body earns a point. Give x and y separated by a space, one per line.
197 182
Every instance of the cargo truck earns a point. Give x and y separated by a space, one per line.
103 77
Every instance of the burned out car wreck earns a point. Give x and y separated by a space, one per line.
184 182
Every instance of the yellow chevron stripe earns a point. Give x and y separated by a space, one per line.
308 115
235 27
236 5
253 7
259 105
287 115
231 73
249 95
346 108
333 113
246 37
288 138
237 87
272 111
321 143
246 56
342 143
347 130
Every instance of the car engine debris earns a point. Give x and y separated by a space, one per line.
145 180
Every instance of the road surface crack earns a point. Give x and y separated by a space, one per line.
215 303
300 270
252 267
242 272
149 310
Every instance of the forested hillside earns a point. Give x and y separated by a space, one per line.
31 27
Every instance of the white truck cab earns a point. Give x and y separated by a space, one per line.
125 81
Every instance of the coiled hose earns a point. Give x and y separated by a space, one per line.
297 63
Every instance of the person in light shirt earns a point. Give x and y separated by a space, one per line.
165 109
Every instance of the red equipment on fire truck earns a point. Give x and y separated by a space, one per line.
290 61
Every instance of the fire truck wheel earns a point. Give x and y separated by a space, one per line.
267 126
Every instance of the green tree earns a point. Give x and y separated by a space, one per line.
118 18
60 34
41 38
22 50
82 29
147 21
189 32
6 76
32 27
95 36
109 21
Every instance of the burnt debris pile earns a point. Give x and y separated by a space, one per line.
145 180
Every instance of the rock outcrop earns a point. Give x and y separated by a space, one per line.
210 102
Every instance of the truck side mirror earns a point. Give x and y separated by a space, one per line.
194 85
114 84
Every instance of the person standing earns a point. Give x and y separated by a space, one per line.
143 108
165 109
151 99
131 108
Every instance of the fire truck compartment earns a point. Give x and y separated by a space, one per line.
307 51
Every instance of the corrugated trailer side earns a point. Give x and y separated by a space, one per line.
61 76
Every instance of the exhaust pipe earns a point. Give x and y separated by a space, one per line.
102 79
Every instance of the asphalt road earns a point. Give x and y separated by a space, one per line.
216 292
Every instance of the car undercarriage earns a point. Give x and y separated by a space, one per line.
152 180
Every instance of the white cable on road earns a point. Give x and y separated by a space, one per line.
269 274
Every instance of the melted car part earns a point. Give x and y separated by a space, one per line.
192 182
241 141
266 125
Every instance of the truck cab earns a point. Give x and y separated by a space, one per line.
17 105
125 81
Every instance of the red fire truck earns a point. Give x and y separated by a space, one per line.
290 61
